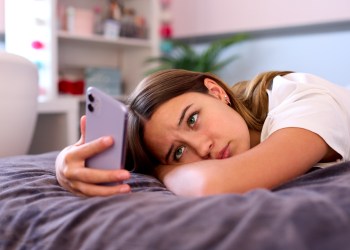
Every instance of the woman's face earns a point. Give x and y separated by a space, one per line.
196 126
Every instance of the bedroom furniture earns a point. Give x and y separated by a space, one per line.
70 53
57 125
18 103
311 212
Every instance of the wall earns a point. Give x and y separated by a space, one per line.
323 53
2 18
2 25
212 17
306 36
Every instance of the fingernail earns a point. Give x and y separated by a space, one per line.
125 188
124 175
107 140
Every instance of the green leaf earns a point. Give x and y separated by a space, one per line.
183 56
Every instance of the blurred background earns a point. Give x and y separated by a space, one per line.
113 44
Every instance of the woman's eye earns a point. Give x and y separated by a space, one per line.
178 153
192 119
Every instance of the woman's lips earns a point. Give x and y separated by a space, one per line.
224 153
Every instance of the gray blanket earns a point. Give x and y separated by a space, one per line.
311 212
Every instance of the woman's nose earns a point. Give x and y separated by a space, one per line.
202 145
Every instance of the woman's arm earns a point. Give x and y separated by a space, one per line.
72 174
286 154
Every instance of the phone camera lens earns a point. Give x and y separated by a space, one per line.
90 107
91 98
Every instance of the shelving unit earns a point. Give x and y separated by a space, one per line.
76 52
121 41
64 51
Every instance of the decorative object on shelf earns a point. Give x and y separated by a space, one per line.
111 21
79 20
71 87
71 81
98 20
108 80
183 56
166 30
133 25
111 28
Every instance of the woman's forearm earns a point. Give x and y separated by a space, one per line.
270 164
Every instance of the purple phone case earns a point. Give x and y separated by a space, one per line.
106 116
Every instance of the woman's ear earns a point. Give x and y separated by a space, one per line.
215 89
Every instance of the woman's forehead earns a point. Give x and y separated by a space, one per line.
163 125
167 113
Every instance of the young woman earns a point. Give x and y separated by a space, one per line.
199 137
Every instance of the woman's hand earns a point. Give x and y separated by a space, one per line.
72 174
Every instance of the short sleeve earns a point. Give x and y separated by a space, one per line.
309 107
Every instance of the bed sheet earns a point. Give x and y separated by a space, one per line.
310 212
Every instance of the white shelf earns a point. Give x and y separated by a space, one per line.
57 125
123 41
82 98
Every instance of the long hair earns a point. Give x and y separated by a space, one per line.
248 98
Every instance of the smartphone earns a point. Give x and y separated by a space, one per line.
106 116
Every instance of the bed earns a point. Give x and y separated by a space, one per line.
310 212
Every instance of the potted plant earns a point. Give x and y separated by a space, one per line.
183 56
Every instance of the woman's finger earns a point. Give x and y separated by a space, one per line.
82 131
99 190
87 150
90 175
83 128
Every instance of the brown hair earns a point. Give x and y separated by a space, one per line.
248 98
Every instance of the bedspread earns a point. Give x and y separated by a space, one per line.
310 212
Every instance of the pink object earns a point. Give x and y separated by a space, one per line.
166 30
84 21
37 45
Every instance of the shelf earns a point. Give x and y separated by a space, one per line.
123 41
82 98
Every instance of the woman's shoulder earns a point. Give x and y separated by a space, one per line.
299 79
303 84
313 103
307 80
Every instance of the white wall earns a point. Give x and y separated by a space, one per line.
326 54
2 18
2 25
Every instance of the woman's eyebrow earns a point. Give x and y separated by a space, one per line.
183 114
168 154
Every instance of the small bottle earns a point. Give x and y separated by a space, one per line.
70 19
98 21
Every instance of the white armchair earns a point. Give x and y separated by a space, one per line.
18 103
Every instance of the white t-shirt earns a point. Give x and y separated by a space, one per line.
310 102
